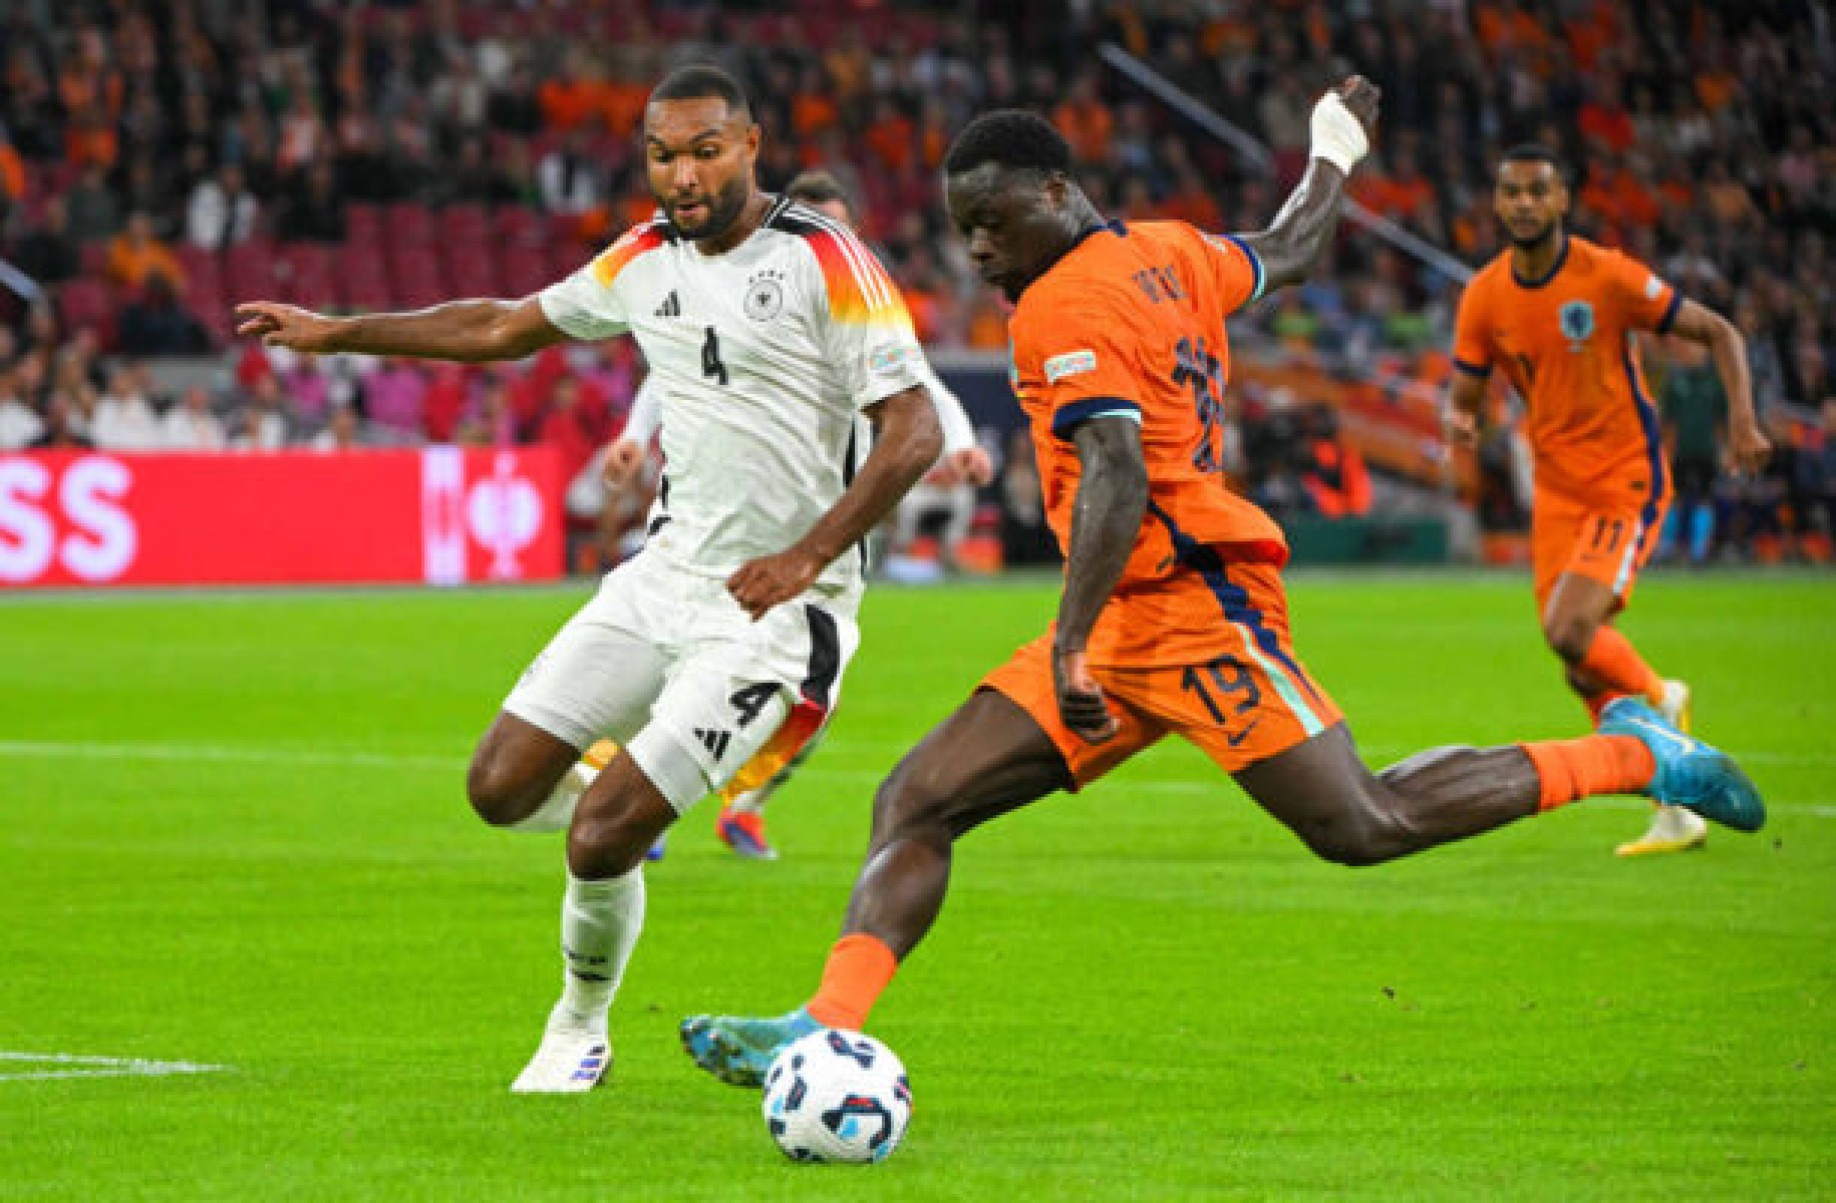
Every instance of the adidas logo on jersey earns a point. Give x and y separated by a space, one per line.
714 741
671 306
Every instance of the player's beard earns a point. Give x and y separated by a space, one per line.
724 208
1531 242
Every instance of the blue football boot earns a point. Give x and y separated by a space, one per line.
1690 773
738 1050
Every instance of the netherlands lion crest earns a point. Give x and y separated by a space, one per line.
1577 321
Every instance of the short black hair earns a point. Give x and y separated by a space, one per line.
1534 152
699 81
1009 138
818 187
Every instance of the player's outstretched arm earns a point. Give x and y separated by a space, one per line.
1112 497
470 331
1748 446
907 441
1343 122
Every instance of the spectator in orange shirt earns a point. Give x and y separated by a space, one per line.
1603 117
572 100
889 138
849 64
135 255
812 111
1506 26
92 139
87 81
1085 120
1335 477
1716 85
1400 192
622 104
12 174
1728 199
1633 190
933 134
1192 202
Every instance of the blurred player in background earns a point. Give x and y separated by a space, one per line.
963 467
772 330
1173 617
1557 313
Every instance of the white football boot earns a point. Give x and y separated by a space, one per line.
574 1058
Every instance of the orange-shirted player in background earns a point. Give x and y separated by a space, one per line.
1557 314
1173 617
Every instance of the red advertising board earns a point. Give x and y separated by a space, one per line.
443 515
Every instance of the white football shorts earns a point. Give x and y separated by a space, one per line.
667 664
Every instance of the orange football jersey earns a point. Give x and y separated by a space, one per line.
1130 323
1565 342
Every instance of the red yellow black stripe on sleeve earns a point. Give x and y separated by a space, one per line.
634 242
859 289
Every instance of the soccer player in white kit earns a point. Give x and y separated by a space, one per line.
770 329
963 466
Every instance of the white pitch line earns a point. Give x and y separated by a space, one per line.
21 749
212 753
99 1067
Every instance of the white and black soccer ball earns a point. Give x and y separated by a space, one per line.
837 1096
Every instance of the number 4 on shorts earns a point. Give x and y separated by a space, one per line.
750 700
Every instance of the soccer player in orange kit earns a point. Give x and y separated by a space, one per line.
1557 313
1173 616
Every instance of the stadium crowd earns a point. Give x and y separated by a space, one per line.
160 159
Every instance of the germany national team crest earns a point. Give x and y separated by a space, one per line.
764 296
1577 323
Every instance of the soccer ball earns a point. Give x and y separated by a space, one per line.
837 1096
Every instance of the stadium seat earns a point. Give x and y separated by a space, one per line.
409 224
471 267
371 294
419 276
248 268
362 278
304 275
91 303
363 222
520 225
565 260
203 268
525 270
463 225
92 259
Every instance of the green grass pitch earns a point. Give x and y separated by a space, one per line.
234 835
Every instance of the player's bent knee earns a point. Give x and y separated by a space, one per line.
608 845
1356 838
496 794
1570 638
910 801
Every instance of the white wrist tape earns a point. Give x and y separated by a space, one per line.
1338 137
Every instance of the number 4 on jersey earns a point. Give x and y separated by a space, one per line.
711 366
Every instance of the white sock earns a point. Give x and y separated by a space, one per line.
558 811
600 923
752 801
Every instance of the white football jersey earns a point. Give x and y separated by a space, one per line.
765 356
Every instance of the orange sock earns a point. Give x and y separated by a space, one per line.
1613 661
1598 702
1573 769
859 968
